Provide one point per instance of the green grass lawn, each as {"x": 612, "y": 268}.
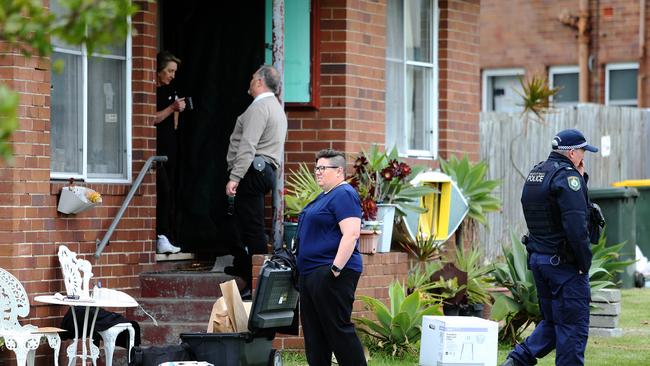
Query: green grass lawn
{"x": 633, "y": 348}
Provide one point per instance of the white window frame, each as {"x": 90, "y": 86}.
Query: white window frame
{"x": 560, "y": 70}
{"x": 434, "y": 66}
{"x": 620, "y": 66}
{"x": 128, "y": 109}
{"x": 487, "y": 74}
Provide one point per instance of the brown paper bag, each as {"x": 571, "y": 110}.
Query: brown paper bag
{"x": 219, "y": 318}
{"x": 235, "y": 306}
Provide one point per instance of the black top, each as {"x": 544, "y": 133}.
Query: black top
{"x": 556, "y": 207}
{"x": 165, "y": 133}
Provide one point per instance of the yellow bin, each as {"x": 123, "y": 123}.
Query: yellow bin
{"x": 632, "y": 183}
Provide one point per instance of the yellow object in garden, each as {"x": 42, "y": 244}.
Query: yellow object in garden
{"x": 446, "y": 208}
{"x": 632, "y": 183}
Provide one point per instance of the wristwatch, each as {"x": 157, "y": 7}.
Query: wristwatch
{"x": 335, "y": 269}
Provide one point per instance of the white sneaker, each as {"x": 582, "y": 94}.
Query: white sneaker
{"x": 164, "y": 246}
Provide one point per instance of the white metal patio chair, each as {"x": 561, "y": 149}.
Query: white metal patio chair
{"x": 23, "y": 340}
{"x": 78, "y": 284}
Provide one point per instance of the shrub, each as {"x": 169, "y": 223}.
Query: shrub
{"x": 396, "y": 330}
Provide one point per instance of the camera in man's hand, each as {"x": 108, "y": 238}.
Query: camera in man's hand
{"x": 189, "y": 104}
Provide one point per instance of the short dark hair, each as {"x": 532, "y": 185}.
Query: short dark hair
{"x": 165, "y": 57}
{"x": 336, "y": 157}
{"x": 271, "y": 77}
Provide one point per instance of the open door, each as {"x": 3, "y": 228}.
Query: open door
{"x": 220, "y": 45}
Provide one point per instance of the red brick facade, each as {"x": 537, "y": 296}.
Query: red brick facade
{"x": 31, "y": 229}
{"x": 460, "y": 95}
{"x": 352, "y": 57}
{"x": 530, "y": 36}
{"x": 351, "y": 116}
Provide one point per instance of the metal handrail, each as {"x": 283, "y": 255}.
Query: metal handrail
{"x": 147, "y": 165}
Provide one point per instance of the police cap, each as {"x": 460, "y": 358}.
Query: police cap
{"x": 571, "y": 139}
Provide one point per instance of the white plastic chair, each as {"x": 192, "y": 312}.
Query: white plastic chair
{"x": 78, "y": 284}
{"x": 22, "y": 339}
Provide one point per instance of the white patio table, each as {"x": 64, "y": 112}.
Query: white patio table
{"x": 86, "y": 335}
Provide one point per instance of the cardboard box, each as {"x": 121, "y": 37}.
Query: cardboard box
{"x": 458, "y": 341}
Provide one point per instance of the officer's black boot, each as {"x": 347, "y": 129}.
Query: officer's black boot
{"x": 511, "y": 362}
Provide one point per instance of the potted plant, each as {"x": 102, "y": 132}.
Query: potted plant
{"x": 301, "y": 189}
{"x": 369, "y": 238}
{"x": 383, "y": 183}
{"x": 477, "y": 281}
{"x": 419, "y": 275}
{"x": 452, "y": 295}
{"x": 448, "y": 285}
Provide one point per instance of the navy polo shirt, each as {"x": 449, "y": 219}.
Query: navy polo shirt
{"x": 319, "y": 231}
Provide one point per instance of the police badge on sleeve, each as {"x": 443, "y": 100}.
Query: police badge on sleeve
{"x": 574, "y": 183}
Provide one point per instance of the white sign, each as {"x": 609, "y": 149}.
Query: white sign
{"x": 110, "y": 117}
{"x": 605, "y": 145}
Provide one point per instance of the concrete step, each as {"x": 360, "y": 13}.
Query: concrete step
{"x": 607, "y": 295}
{"x": 168, "y": 333}
{"x": 174, "y": 257}
{"x": 602, "y": 321}
{"x": 183, "y": 284}
{"x": 605, "y": 332}
{"x": 173, "y": 310}
{"x": 603, "y": 308}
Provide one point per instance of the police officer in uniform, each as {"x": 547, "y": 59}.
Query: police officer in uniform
{"x": 558, "y": 214}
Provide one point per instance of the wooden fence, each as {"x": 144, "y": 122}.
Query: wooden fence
{"x": 512, "y": 144}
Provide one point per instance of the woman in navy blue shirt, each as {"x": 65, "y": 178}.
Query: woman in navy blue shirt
{"x": 330, "y": 265}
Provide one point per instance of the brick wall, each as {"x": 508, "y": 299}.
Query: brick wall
{"x": 351, "y": 114}
{"x": 30, "y": 227}
{"x": 379, "y": 270}
{"x": 532, "y": 37}
{"x": 352, "y": 84}
{"x": 459, "y": 84}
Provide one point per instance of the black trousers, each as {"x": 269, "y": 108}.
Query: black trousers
{"x": 249, "y": 217}
{"x": 325, "y": 311}
{"x": 166, "y": 181}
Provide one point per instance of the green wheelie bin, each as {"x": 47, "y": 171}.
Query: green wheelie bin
{"x": 619, "y": 209}
{"x": 642, "y": 212}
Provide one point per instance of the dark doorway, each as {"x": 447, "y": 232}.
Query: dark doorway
{"x": 220, "y": 44}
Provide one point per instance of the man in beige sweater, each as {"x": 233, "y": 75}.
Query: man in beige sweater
{"x": 255, "y": 151}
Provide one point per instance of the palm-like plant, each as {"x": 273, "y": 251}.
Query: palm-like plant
{"x": 536, "y": 95}
{"x": 425, "y": 248}
{"x": 605, "y": 264}
{"x": 396, "y": 329}
{"x": 521, "y": 308}
{"x": 301, "y": 189}
{"x": 477, "y": 282}
{"x": 471, "y": 181}
{"x": 470, "y": 178}
{"x": 420, "y": 275}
